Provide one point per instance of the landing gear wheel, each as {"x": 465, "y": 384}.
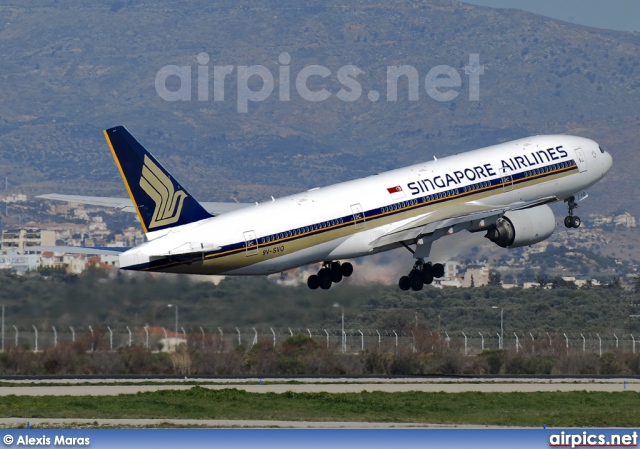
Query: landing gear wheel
{"x": 575, "y": 221}
{"x": 568, "y": 222}
{"x": 416, "y": 283}
{"x": 346, "y": 269}
{"x": 313, "y": 282}
{"x": 438, "y": 270}
{"x": 572, "y": 221}
{"x": 336, "y": 276}
{"x": 404, "y": 283}
{"x": 325, "y": 283}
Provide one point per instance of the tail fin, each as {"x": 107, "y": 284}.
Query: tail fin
{"x": 161, "y": 202}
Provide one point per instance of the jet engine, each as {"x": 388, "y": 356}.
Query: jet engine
{"x": 523, "y": 227}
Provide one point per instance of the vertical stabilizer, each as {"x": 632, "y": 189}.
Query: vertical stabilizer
{"x": 160, "y": 200}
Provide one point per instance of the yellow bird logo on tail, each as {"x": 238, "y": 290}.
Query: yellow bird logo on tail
{"x": 160, "y": 188}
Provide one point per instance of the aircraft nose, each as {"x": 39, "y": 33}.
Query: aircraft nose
{"x": 607, "y": 162}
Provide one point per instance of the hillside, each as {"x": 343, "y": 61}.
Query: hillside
{"x": 71, "y": 69}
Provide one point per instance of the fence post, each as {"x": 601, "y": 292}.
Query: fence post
{"x": 465, "y": 343}
{"x": 110, "y": 339}
{"x": 36, "y": 334}
{"x": 482, "y": 337}
{"x": 533, "y": 344}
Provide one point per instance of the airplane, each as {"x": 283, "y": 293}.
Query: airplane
{"x": 502, "y": 190}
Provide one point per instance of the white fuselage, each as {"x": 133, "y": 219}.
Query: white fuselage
{"x": 346, "y": 220}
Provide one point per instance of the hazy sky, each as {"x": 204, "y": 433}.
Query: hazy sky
{"x": 621, "y": 15}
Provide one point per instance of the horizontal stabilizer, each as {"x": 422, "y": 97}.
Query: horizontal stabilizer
{"x": 126, "y": 205}
{"x": 92, "y": 250}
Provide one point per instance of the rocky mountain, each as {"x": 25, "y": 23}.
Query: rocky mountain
{"x": 70, "y": 69}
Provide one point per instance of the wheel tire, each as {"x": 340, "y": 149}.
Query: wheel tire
{"x": 427, "y": 277}
{"x": 404, "y": 283}
{"x": 416, "y": 283}
{"x": 313, "y": 282}
{"x": 568, "y": 221}
{"x": 336, "y": 276}
{"x": 325, "y": 283}
{"x": 575, "y": 221}
{"x": 335, "y": 266}
{"x": 324, "y": 273}
{"x": 346, "y": 269}
{"x": 438, "y": 270}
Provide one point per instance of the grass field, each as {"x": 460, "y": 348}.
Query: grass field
{"x": 557, "y": 409}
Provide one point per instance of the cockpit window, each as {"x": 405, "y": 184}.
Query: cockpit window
{"x": 601, "y": 149}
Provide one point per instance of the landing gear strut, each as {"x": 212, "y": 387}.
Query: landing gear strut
{"x": 421, "y": 274}
{"x": 572, "y": 221}
{"x": 330, "y": 273}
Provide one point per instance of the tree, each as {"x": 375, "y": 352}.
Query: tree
{"x": 495, "y": 278}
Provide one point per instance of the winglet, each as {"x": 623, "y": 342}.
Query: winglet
{"x": 160, "y": 201}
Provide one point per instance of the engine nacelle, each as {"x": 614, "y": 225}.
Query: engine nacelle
{"x": 523, "y": 227}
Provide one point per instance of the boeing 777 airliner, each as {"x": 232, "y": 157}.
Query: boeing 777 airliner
{"x": 502, "y": 190}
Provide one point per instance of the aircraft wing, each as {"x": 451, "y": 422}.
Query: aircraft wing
{"x": 125, "y": 204}
{"x": 471, "y": 216}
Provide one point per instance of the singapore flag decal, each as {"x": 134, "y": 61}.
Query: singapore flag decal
{"x": 396, "y": 192}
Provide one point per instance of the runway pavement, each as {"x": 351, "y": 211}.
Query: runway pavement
{"x": 106, "y": 387}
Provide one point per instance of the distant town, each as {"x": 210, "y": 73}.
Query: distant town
{"x": 48, "y": 224}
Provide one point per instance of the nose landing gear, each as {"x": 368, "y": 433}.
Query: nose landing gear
{"x": 572, "y": 221}
{"x": 330, "y": 273}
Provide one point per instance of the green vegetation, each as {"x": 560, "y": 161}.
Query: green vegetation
{"x": 96, "y": 299}
{"x": 300, "y": 354}
{"x": 574, "y": 409}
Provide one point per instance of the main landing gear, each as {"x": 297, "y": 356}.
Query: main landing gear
{"x": 572, "y": 221}
{"x": 330, "y": 273}
{"x": 421, "y": 274}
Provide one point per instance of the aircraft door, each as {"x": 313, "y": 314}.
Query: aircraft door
{"x": 507, "y": 179}
{"x": 358, "y": 215}
{"x": 251, "y": 243}
{"x": 581, "y": 160}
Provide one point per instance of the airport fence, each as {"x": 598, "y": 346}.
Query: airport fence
{"x": 223, "y": 339}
